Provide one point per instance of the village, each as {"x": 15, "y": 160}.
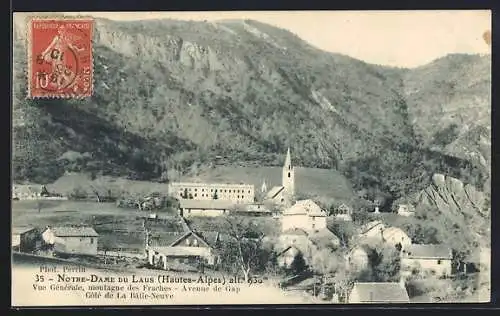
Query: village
{"x": 307, "y": 248}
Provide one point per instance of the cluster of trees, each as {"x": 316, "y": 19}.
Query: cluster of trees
{"x": 242, "y": 251}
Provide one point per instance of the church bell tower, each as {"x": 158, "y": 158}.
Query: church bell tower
{"x": 288, "y": 179}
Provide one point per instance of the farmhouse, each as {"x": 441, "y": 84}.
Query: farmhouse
{"x": 433, "y": 259}
{"x": 343, "y": 212}
{"x": 378, "y": 292}
{"x": 25, "y": 239}
{"x": 236, "y": 193}
{"x": 190, "y": 248}
{"x": 26, "y": 192}
{"x": 396, "y": 237}
{"x": 305, "y": 214}
{"x": 209, "y": 208}
{"x": 405, "y": 210}
{"x": 358, "y": 258}
{"x": 371, "y": 232}
{"x": 72, "y": 240}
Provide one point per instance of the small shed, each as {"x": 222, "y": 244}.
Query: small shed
{"x": 26, "y": 239}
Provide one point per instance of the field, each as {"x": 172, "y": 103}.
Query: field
{"x": 117, "y": 186}
{"x": 118, "y": 228}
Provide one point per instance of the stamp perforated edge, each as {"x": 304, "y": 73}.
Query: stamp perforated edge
{"x": 28, "y": 43}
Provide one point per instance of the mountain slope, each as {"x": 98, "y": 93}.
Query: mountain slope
{"x": 173, "y": 94}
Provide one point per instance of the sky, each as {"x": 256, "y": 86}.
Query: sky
{"x": 393, "y": 38}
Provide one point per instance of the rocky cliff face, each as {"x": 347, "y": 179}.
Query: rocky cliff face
{"x": 461, "y": 211}
{"x": 453, "y": 196}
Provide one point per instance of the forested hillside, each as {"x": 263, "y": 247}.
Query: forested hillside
{"x": 179, "y": 96}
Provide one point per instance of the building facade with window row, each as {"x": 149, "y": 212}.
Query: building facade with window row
{"x": 237, "y": 193}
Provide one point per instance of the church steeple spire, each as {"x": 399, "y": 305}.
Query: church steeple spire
{"x": 288, "y": 179}
{"x": 288, "y": 160}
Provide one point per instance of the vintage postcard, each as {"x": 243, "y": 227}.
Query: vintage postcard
{"x": 201, "y": 158}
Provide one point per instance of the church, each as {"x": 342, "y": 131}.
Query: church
{"x": 285, "y": 193}
{"x": 215, "y": 199}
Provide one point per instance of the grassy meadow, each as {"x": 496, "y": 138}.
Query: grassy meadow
{"x": 117, "y": 227}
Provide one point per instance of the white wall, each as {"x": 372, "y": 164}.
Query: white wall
{"x": 203, "y": 191}
{"x": 357, "y": 260}
{"x": 76, "y": 245}
{"x": 16, "y": 240}
{"x": 305, "y": 222}
{"x": 426, "y": 265}
{"x": 200, "y": 212}
{"x": 354, "y": 297}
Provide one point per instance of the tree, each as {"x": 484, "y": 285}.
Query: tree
{"x": 242, "y": 251}
{"x": 325, "y": 262}
{"x": 343, "y": 281}
{"x": 344, "y": 231}
{"x": 298, "y": 264}
{"x": 386, "y": 264}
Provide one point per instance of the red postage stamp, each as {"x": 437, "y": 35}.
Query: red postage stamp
{"x": 60, "y": 61}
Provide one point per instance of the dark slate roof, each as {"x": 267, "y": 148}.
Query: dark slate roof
{"x": 21, "y": 230}
{"x": 209, "y": 237}
{"x": 274, "y": 192}
{"x": 381, "y": 292}
{"x": 206, "y": 204}
{"x": 428, "y": 252}
{"x": 164, "y": 239}
{"x": 69, "y": 231}
{"x": 176, "y": 242}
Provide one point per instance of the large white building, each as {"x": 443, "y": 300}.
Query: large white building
{"x": 304, "y": 214}
{"x": 236, "y": 193}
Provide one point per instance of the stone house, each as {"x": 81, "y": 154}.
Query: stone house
{"x": 305, "y": 214}
{"x": 190, "y": 248}
{"x": 371, "y": 232}
{"x": 72, "y": 240}
{"x": 426, "y": 259}
{"x": 26, "y": 239}
{"x": 358, "y": 258}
